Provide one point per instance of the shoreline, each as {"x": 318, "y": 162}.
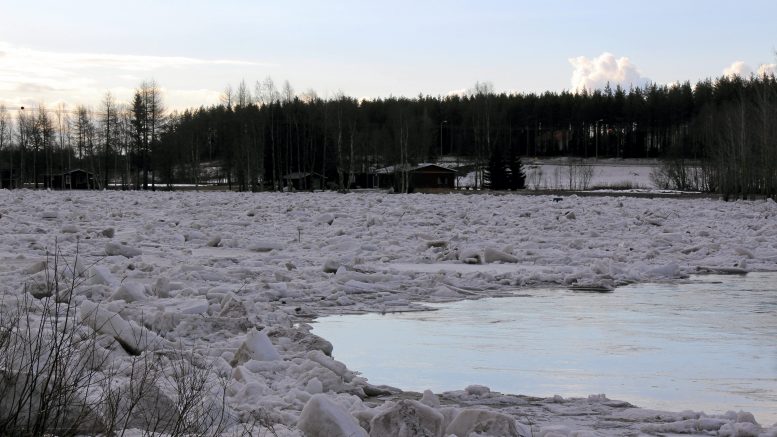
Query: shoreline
{"x": 695, "y": 278}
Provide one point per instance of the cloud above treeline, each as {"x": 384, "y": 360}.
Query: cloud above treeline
{"x": 28, "y": 74}
{"x": 596, "y": 73}
{"x": 741, "y": 69}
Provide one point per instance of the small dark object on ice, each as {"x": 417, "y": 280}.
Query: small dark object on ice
{"x": 592, "y": 288}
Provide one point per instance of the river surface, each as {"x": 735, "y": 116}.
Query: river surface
{"x": 707, "y": 345}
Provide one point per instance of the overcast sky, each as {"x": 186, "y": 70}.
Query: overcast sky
{"x": 74, "y": 51}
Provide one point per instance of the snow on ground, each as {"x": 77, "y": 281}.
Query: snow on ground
{"x": 233, "y": 278}
{"x": 566, "y": 173}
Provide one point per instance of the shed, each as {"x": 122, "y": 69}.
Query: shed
{"x": 421, "y": 176}
{"x": 76, "y": 179}
{"x": 304, "y": 180}
{"x": 432, "y": 176}
{"x": 8, "y": 178}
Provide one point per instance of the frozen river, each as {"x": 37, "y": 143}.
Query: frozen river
{"x": 708, "y": 344}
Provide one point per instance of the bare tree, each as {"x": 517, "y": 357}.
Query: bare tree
{"x": 63, "y": 138}
{"x": 340, "y": 100}
{"x": 6, "y": 131}
{"x": 243, "y": 95}
{"x": 266, "y": 92}
{"x": 482, "y": 93}
{"x": 84, "y": 133}
{"x": 24, "y": 124}
{"x": 124, "y": 126}
{"x": 109, "y": 124}
{"x": 155, "y": 118}
{"x": 288, "y": 92}
{"x": 269, "y": 96}
{"x": 226, "y": 97}
{"x": 42, "y": 139}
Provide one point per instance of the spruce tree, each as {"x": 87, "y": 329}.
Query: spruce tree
{"x": 517, "y": 176}
{"x": 495, "y": 176}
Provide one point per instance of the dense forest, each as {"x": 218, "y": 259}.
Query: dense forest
{"x": 717, "y": 135}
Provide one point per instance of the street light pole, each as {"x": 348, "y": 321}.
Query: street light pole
{"x": 22, "y": 145}
{"x": 442, "y": 123}
{"x": 597, "y": 137}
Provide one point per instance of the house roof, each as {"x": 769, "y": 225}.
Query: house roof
{"x": 418, "y": 168}
{"x": 74, "y": 170}
{"x": 432, "y": 168}
{"x": 300, "y": 175}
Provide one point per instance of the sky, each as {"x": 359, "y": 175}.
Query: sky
{"x": 76, "y": 51}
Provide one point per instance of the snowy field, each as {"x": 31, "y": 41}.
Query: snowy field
{"x": 559, "y": 173}
{"x": 228, "y": 281}
{"x": 565, "y": 174}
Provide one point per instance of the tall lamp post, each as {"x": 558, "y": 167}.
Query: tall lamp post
{"x": 597, "y": 137}
{"x": 441, "y": 123}
{"x": 22, "y": 145}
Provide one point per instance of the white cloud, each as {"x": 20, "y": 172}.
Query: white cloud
{"x": 741, "y": 69}
{"x": 27, "y": 87}
{"x": 60, "y": 62}
{"x": 738, "y": 68}
{"x": 596, "y": 73}
{"x": 457, "y": 93}
{"x": 78, "y": 77}
{"x": 767, "y": 70}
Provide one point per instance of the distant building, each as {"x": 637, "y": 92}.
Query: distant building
{"x": 420, "y": 177}
{"x": 76, "y": 179}
{"x": 432, "y": 176}
{"x": 304, "y": 180}
{"x": 8, "y": 178}
{"x": 365, "y": 180}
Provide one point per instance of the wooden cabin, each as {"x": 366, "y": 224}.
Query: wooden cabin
{"x": 419, "y": 177}
{"x": 76, "y": 179}
{"x": 304, "y": 180}
{"x": 8, "y": 178}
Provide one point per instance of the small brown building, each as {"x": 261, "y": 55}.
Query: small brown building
{"x": 432, "y": 176}
{"x": 76, "y": 179}
{"x": 304, "y": 180}
{"x": 420, "y": 177}
{"x": 8, "y": 178}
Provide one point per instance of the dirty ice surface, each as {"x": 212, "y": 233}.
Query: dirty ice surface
{"x": 234, "y": 279}
{"x": 708, "y": 342}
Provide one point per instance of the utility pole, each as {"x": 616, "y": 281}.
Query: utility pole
{"x": 442, "y": 123}
{"x": 597, "y": 138}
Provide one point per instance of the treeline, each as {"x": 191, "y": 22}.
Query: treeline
{"x": 118, "y": 143}
{"x": 715, "y": 135}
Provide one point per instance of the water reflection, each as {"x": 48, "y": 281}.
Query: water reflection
{"x": 705, "y": 345}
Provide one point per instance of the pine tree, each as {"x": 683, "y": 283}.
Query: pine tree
{"x": 496, "y": 177}
{"x": 517, "y": 177}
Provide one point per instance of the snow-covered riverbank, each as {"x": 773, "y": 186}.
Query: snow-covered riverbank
{"x": 222, "y": 273}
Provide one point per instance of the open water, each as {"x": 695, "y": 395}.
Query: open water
{"x": 709, "y": 344}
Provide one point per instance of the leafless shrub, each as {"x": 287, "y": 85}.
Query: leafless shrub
{"x": 580, "y": 175}
{"x": 534, "y": 177}
{"x": 619, "y": 186}
{"x": 259, "y": 423}
{"x": 57, "y": 376}
{"x": 46, "y": 385}
{"x": 681, "y": 175}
